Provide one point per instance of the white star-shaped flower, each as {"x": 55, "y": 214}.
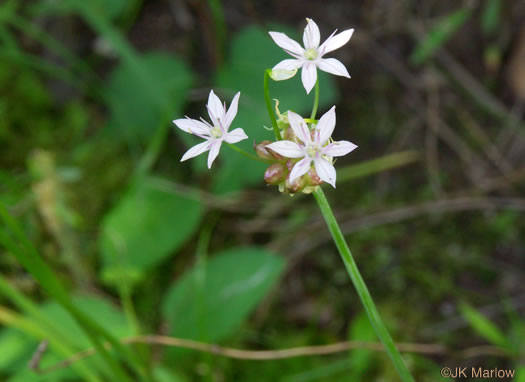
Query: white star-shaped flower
{"x": 313, "y": 146}
{"x": 310, "y": 57}
{"x": 214, "y": 133}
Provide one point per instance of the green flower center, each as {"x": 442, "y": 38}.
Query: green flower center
{"x": 311, "y": 54}
{"x": 216, "y": 132}
{"x": 313, "y": 151}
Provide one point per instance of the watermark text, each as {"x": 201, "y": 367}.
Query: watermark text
{"x": 477, "y": 372}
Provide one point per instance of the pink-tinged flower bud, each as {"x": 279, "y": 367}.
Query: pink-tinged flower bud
{"x": 314, "y": 179}
{"x": 262, "y": 151}
{"x": 265, "y": 153}
{"x": 275, "y": 174}
{"x": 290, "y": 163}
{"x": 296, "y": 186}
{"x": 289, "y": 135}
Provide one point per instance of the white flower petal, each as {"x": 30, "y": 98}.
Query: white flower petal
{"x": 339, "y": 148}
{"x": 282, "y": 74}
{"x": 196, "y": 150}
{"x": 300, "y": 169}
{"x": 235, "y": 136}
{"x": 311, "y": 35}
{"x": 326, "y": 126}
{"x": 192, "y": 126}
{"x": 290, "y": 46}
{"x": 285, "y": 69}
{"x": 309, "y": 76}
{"x": 335, "y": 41}
{"x": 288, "y": 64}
{"x": 287, "y": 149}
{"x": 333, "y": 66}
{"x": 299, "y": 127}
{"x": 325, "y": 170}
{"x": 214, "y": 151}
{"x": 215, "y": 108}
{"x": 232, "y": 111}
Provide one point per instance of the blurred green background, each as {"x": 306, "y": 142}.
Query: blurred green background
{"x": 431, "y": 202}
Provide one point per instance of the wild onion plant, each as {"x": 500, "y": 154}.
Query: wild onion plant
{"x": 300, "y": 159}
{"x": 303, "y": 154}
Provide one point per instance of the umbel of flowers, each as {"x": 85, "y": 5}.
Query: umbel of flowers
{"x": 302, "y": 157}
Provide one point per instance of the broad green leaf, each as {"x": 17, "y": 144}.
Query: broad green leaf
{"x": 209, "y": 302}
{"x": 138, "y": 108}
{"x": 439, "y": 35}
{"x": 484, "y": 327}
{"x": 147, "y": 225}
{"x": 252, "y": 52}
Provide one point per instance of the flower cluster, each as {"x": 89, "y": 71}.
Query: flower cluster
{"x": 311, "y": 146}
{"x": 304, "y": 158}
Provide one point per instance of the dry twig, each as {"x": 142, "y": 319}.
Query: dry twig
{"x": 268, "y": 355}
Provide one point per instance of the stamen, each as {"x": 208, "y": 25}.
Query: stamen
{"x": 311, "y": 54}
{"x": 216, "y": 132}
{"x": 313, "y": 151}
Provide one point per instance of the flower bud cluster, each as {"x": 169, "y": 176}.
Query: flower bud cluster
{"x": 278, "y": 173}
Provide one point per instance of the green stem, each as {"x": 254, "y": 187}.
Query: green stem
{"x": 316, "y": 100}
{"x": 360, "y": 286}
{"x": 269, "y": 105}
{"x": 247, "y": 154}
